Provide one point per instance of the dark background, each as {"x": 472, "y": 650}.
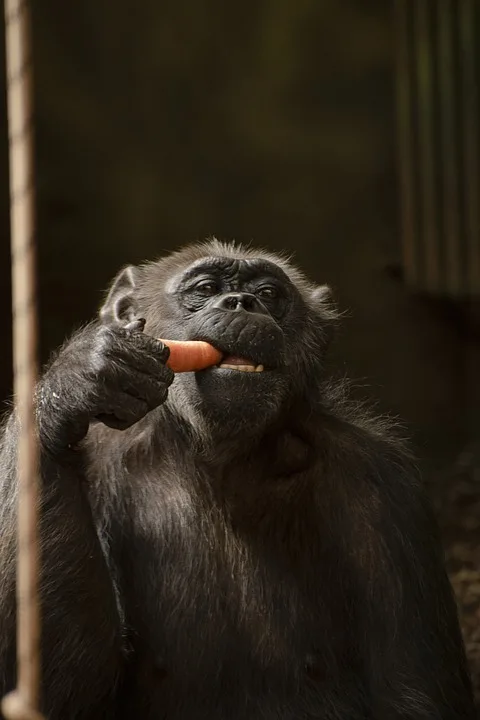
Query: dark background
{"x": 267, "y": 121}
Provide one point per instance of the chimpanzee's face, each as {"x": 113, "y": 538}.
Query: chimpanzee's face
{"x": 253, "y": 312}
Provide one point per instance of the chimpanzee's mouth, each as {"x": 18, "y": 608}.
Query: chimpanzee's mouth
{"x": 248, "y": 343}
{"x": 235, "y": 362}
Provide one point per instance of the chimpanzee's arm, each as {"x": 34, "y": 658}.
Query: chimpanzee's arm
{"x": 117, "y": 376}
{"x": 81, "y": 631}
{"x": 414, "y": 658}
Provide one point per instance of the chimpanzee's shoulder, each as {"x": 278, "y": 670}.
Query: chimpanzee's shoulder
{"x": 355, "y": 431}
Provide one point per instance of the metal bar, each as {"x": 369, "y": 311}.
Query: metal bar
{"x": 470, "y": 141}
{"x": 423, "y": 43}
{"x": 22, "y": 703}
{"x": 449, "y": 148}
{"x": 405, "y": 141}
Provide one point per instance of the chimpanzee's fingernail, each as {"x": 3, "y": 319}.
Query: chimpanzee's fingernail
{"x": 137, "y": 325}
{"x": 164, "y": 351}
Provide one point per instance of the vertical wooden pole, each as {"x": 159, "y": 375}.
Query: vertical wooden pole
{"x": 23, "y": 702}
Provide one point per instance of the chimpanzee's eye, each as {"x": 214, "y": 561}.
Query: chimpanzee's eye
{"x": 207, "y": 287}
{"x": 267, "y": 292}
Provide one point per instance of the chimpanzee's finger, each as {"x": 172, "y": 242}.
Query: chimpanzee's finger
{"x": 123, "y": 411}
{"x": 151, "y": 389}
{"x": 141, "y": 352}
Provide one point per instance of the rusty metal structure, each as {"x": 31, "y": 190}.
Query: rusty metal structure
{"x": 438, "y": 125}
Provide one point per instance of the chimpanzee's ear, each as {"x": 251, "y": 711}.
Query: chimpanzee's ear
{"x": 322, "y": 296}
{"x": 322, "y": 300}
{"x": 120, "y": 304}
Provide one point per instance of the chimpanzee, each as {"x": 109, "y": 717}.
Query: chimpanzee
{"x": 238, "y": 543}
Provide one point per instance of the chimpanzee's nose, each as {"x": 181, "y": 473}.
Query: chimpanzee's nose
{"x": 238, "y": 301}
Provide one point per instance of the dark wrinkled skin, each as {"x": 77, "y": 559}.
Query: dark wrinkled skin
{"x": 227, "y": 546}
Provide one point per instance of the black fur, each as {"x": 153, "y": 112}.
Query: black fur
{"x": 254, "y": 547}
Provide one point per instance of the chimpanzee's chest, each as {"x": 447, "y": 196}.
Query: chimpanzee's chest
{"x": 212, "y": 595}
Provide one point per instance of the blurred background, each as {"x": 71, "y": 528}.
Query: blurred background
{"x": 344, "y": 132}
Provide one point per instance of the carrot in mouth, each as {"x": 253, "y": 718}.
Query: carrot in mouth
{"x": 191, "y": 355}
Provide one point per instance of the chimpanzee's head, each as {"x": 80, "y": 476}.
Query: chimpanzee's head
{"x": 270, "y": 323}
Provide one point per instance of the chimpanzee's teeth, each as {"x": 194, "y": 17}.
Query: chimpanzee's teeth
{"x": 242, "y": 368}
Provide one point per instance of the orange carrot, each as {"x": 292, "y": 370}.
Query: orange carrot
{"x": 191, "y": 355}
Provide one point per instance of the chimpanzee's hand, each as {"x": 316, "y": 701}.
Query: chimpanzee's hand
{"x": 106, "y": 373}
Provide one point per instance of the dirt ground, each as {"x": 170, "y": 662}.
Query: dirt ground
{"x": 457, "y": 501}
